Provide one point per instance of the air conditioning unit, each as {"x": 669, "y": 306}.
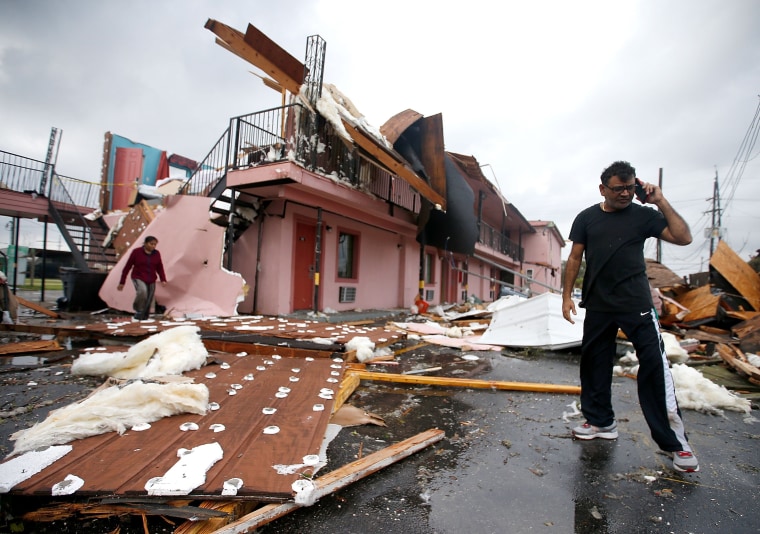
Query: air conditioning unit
{"x": 346, "y": 294}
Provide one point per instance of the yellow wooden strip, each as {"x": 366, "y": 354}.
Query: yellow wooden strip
{"x": 468, "y": 383}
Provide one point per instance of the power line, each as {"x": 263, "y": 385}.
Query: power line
{"x": 743, "y": 155}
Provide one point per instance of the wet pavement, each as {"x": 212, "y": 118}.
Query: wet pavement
{"x": 507, "y": 464}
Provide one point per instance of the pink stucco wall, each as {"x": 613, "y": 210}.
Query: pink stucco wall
{"x": 543, "y": 249}
{"x": 387, "y": 263}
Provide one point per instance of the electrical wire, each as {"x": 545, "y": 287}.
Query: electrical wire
{"x": 743, "y": 155}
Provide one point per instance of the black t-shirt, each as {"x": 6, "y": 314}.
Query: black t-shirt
{"x": 616, "y": 276}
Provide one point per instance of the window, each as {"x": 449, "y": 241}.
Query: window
{"x": 347, "y": 248}
{"x": 529, "y": 274}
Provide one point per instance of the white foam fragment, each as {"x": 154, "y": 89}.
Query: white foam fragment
{"x": 231, "y": 486}
{"x": 696, "y": 392}
{"x": 305, "y": 492}
{"x": 68, "y": 486}
{"x": 20, "y": 468}
{"x": 188, "y": 473}
{"x": 363, "y": 346}
{"x": 113, "y": 409}
{"x": 170, "y": 352}
{"x": 673, "y": 349}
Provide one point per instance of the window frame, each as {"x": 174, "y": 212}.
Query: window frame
{"x": 356, "y": 240}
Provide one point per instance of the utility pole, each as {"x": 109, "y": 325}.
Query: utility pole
{"x": 715, "y": 230}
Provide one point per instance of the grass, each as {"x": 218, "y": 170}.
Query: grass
{"x": 36, "y": 284}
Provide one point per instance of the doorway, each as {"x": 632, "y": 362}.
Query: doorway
{"x": 304, "y": 266}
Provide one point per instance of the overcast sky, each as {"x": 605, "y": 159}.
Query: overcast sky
{"x": 546, "y": 93}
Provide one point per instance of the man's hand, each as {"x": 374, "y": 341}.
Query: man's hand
{"x": 568, "y": 306}
{"x": 654, "y": 193}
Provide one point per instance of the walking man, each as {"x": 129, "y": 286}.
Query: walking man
{"x": 616, "y": 295}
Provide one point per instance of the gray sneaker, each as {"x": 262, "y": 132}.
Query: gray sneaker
{"x": 685, "y": 461}
{"x": 588, "y": 431}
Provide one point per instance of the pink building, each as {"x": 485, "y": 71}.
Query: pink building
{"x": 323, "y": 212}
{"x": 315, "y": 209}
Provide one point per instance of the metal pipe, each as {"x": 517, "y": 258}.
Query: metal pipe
{"x": 317, "y": 258}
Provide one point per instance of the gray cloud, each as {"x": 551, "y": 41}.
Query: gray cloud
{"x": 545, "y": 93}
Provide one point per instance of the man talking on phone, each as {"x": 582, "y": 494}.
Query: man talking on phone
{"x": 616, "y": 295}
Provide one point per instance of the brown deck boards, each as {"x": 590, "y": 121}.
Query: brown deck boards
{"x": 121, "y": 465}
{"x": 315, "y": 335}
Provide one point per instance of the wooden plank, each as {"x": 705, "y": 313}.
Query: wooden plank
{"x": 338, "y": 479}
{"x": 24, "y": 347}
{"x": 236, "y": 42}
{"x": 736, "y": 359}
{"x": 466, "y": 382}
{"x": 738, "y": 273}
{"x": 347, "y": 387}
{"x": 700, "y": 302}
{"x": 36, "y": 307}
{"x": 263, "y": 350}
{"x": 58, "y": 512}
{"x": 746, "y": 327}
{"x": 274, "y": 53}
{"x": 392, "y": 163}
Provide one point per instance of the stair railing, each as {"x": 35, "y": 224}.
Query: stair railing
{"x": 60, "y": 195}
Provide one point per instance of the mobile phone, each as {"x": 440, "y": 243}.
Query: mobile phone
{"x": 641, "y": 193}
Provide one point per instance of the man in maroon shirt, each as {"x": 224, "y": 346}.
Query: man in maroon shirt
{"x": 146, "y": 265}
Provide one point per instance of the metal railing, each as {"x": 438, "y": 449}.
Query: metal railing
{"x": 495, "y": 240}
{"x": 294, "y": 133}
{"x": 74, "y": 192}
{"x": 26, "y": 175}
{"x": 21, "y": 174}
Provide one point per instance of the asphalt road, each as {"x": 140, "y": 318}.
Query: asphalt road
{"x": 508, "y": 463}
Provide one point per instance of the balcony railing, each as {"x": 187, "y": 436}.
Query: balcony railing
{"x": 495, "y": 240}
{"x": 21, "y": 174}
{"x": 26, "y": 175}
{"x": 74, "y": 192}
{"x": 294, "y": 133}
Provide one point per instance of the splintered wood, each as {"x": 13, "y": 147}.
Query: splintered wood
{"x": 738, "y": 273}
{"x": 25, "y": 347}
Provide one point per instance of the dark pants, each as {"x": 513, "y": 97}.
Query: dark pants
{"x": 656, "y": 391}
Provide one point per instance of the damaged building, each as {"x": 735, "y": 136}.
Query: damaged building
{"x": 309, "y": 207}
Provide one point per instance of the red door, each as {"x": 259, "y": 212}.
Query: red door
{"x": 304, "y": 268}
{"x": 127, "y": 169}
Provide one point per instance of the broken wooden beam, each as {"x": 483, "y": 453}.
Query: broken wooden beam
{"x": 337, "y": 479}
{"x": 347, "y": 387}
{"x": 390, "y": 160}
{"x": 736, "y": 359}
{"x": 738, "y": 273}
{"x": 36, "y": 307}
{"x": 24, "y": 347}
{"x": 701, "y": 303}
{"x": 257, "y": 49}
{"x": 466, "y": 382}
